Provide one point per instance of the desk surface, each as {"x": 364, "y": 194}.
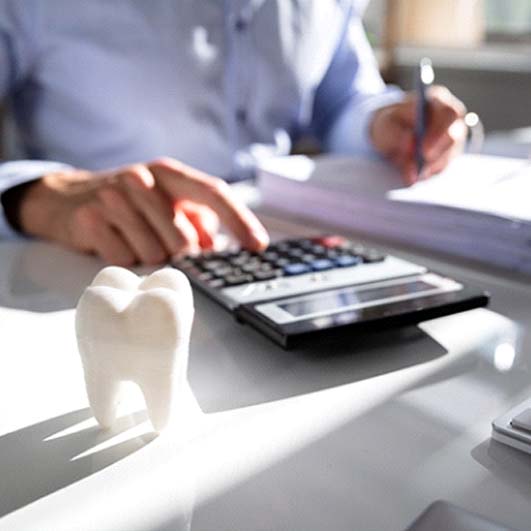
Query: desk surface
{"x": 354, "y": 436}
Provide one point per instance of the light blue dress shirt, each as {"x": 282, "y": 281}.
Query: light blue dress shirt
{"x": 217, "y": 84}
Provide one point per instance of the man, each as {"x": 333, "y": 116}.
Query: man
{"x": 191, "y": 89}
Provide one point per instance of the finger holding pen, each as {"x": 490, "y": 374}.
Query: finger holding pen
{"x": 395, "y": 129}
{"x": 440, "y": 130}
{"x": 446, "y": 131}
{"x": 425, "y": 78}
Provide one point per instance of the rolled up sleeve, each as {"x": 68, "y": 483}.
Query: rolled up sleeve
{"x": 350, "y": 92}
{"x": 18, "y": 172}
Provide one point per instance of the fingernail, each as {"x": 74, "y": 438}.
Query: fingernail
{"x": 206, "y": 241}
{"x": 194, "y": 248}
{"x": 187, "y": 250}
{"x": 424, "y": 174}
{"x": 410, "y": 176}
{"x": 261, "y": 238}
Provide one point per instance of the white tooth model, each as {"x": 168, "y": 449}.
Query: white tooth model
{"x": 133, "y": 329}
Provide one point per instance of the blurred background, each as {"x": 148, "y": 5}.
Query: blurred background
{"x": 481, "y": 50}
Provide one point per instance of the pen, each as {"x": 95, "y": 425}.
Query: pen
{"x": 424, "y": 80}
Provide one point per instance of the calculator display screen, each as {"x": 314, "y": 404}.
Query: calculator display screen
{"x": 350, "y": 297}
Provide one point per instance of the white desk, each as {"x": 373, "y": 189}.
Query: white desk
{"x": 361, "y": 438}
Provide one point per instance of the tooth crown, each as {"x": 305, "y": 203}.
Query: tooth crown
{"x": 138, "y": 330}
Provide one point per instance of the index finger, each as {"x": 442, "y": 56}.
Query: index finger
{"x": 180, "y": 181}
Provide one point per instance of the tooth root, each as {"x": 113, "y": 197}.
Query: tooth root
{"x": 158, "y": 397}
{"x": 103, "y": 395}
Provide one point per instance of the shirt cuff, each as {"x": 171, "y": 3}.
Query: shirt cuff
{"x": 350, "y": 133}
{"x": 17, "y": 172}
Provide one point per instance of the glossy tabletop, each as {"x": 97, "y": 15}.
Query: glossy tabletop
{"x": 354, "y": 435}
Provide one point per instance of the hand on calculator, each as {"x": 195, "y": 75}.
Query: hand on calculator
{"x": 285, "y": 258}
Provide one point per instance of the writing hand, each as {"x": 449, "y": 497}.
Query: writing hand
{"x": 392, "y": 133}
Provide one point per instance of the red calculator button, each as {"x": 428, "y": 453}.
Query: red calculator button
{"x": 330, "y": 241}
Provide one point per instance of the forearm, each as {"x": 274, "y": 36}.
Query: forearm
{"x": 350, "y": 132}
{"x": 12, "y": 199}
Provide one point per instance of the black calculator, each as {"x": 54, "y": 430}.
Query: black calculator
{"x": 299, "y": 288}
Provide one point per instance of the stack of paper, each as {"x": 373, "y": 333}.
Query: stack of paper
{"x": 479, "y": 207}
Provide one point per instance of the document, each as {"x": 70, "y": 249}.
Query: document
{"x": 477, "y": 208}
{"x": 491, "y": 185}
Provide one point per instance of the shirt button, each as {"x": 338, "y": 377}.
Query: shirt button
{"x": 240, "y": 24}
{"x": 241, "y": 115}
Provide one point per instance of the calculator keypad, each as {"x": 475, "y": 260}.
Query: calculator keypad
{"x": 286, "y": 258}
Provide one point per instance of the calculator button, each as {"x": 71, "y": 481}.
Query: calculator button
{"x": 194, "y": 271}
{"x": 318, "y": 250}
{"x": 265, "y": 266}
{"x": 296, "y": 253}
{"x": 206, "y": 255}
{"x": 372, "y": 255}
{"x": 305, "y": 244}
{"x": 308, "y": 258}
{"x": 225, "y": 254}
{"x": 223, "y": 271}
{"x": 330, "y": 241}
{"x": 356, "y": 248}
{"x": 282, "y": 262}
{"x": 189, "y": 269}
{"x": 216, "y": 283}
{"x": 331, "y": 253}
{"x": 185, "y": 263}
{"x": 322, "y": 264}
{"x": 267, "y": 275}
{"x": 296, "y": 269}
{"x": 251, "y": 267}
{"x": 211, "y": 265}
{"x": 282, "y": 247}
{"x": 347, "y": 260}
{"x": 205, "y": 276}
{"x": 235, "y": 280}
{"x": 239, "y": 261}
{"x": 291, "y": 242}
{"x": 270, "y": 256}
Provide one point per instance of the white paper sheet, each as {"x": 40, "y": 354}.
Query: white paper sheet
{"x": 491, "y": 185}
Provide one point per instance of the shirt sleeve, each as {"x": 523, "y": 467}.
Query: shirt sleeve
{"x": 350, "y": 92}
{"x": 16, "y": 58}
{"x": 18, "y": 172}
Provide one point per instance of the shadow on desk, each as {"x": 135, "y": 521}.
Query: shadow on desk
{"x": 232, "y": 365}
{"x": 40, "y": 459}
{"x": 512, "y": 466}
